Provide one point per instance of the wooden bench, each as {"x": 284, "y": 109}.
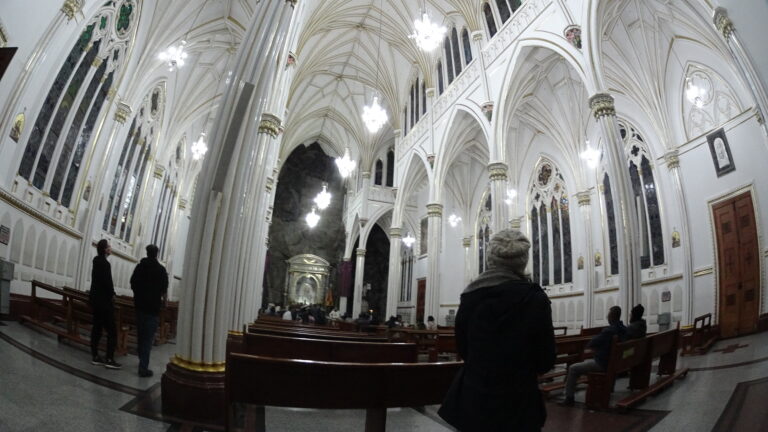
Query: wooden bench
{"x": 623, "y": 357}
{"x": 568, "y": 351}
{"x": 326, "y": 350}
{"x": 700, "y": 338}
{"x": 562, "y": 330}
{"x": 317, "y": 334}
{"x": 374, "y": 387}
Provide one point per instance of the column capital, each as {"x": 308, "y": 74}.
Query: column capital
{"x": 360, "y": 252}
{"x": 478, "y": 35}
{"x": 430, "y": 92}
{"x": 122, "y": 112}
{"x": 182, "y": 204}
{"x": 70, "y": 8}
{"x": 397, "y": 133}
{"x": 516, "y": 223}
{"x": 602, "y": 105}
{"x": 395, "y": 232}
{"x": 269, "y": 184}
{"x": 466, "y": 242}
{"x": 723, "y": 22}
{"x": 672, "y": 158}
{"x": 366, "y": 174}
{"x": 583, "y": 198}
{"x": 97, "y": 62}
{"x": 159, "y": 171}
{"x": 497, "y": 171}
{"x": 270, "y": 124}
{"x": 434, "y": 209}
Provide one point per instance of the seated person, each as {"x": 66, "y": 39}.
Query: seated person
{"x": 601, "y": 345}
{"x": 288, "y": 316}
{"x": 431, "y": 323}
{"x": 637, "y": 327}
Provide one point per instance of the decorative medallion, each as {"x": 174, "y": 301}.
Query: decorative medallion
{"x": 18, "y": 127}
{"x": 573, "y": 35}
{"x": 545, "y": 173}
{"x": 125, "y": 18}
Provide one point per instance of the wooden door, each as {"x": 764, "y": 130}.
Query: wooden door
{"x": 738, "y": 265}
{"x": 421, "y": 295}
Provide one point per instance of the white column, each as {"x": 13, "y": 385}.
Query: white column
{"x": 585, "y": 208}
{"x": 357, "y": 296}
{"x": 627, "y": 225}
{"x": 226, "y": 192}
{"x": 395, "y": 271}
{"x": 672, "y": 158}
{"x": 364, "y": 200}
{"x": 434, "y": 241}
{"x": 497, "y": 172}
{"x": 466, "y": 243}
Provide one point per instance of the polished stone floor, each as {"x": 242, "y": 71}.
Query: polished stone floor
{"x": 49, "y": 386}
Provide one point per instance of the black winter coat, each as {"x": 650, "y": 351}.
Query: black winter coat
{"x": 102, "y": 288}
{"x": 149, "y": 283}
{"x": 504, "y": 334}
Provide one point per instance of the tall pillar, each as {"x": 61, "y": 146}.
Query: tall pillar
{"x": 672, "y": 158}
{"x": 395, "y": 271}
{"x": 434, "y": 240}
{"x": 364, "y": 200}
{"x": 357, "y": 296}
{"x": 221, "y": 217}
{"x": 584, "y": 200}
{"x": 466, "y": 243}
{"x": 497, "y": 172}
{"x": 627, "y": 224}
{"x": 743, "y": 64}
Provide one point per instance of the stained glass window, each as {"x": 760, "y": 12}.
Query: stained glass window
{"x": 489, "y": 20}
{"x": 439, "y": 78}
{"x": 379, "y": 173}
{"x": 611, "y": 219}
{"x": 565, "y": 218}
{"x": 504, "y": 11}
{"x": 557, "y": 247}
{"x": 544, "y": 227}
{"x": 456, "y": 48}
{"x": 550, "y": 217}
{"x": 390, "y": 168}
{"x": 448, "y": 59}
{"x": 467, "y": 45}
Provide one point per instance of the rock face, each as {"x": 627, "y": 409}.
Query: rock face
{"x": 301, "y": 179}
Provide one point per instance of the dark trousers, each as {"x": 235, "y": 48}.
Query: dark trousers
{"x": 103, "y": 318}
{"x": 146, "y": 325}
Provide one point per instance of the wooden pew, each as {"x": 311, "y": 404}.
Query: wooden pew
{"x": 623, "y": 357}
{"x": 569, "y": 351}
{"x": 592, "y": 331}
{"x": 560, "y": 331}
{"x": 278, "y": 331}
{"x": 327, "y": 350}
{"x": 374, "y": 387}
{"x": 700, "y": 338}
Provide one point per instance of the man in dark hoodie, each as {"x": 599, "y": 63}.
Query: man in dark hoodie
{"x": 601, "y": 345}
{"x": 637, "y": 327}
{"x": 102, "y": 302}
{"x": 149, "y": 283}
{"x": 504, "y": 334}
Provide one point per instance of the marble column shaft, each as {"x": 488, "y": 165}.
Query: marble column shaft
{"x": 672, "y": 158}
{"x": 395, "y": 271}
{"x": 627, "y": 223}
{"x": 226, "y": 192}
{"x": 497, "y": 172}
{"x": 585, "y": 208}
{"x": 357, "y": 296}
{"x": 434, "y": 242}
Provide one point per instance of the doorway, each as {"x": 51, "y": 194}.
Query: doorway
{"x": 738, "y": 265}
{"x": 421, "y": 295}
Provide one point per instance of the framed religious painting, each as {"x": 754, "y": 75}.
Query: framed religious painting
{"x": 721, "y": 152}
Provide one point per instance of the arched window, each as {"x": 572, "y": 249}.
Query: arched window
{"x": 610, "y": 214}
{"x": 132, "y": 166}
{"x": 74, "y": 101}
{"x": 405, "y": 121}
{"x": 390, "y": 168}
{"x": 490, "y": 21}
{"x": 163, "y": 214}
{"x": 467, "y": 46}
{"x": 644, "y": 190}
{"x": 456, "y": 48}
{"x": 440, "y": 78}
{"x": 406, "y": 273}
{"x": 448, "y": 59}
{"x": 423, "y": 97}
{"x": 379, "y": 174}
{"x": 550, "y": 219}
{"x": 484, "y": 234}
{"x": 412, "y": 117}
{"x": 504, "y": 12}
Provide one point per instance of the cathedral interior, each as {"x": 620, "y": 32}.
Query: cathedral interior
{"x": 358, "y": 156}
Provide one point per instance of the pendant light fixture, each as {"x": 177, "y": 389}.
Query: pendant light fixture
{"x": 323, "y": 199}
{"x": 428, "y": 35}
{"x": 174, "y": 56}
{"x": 374, "y": 115}
{"x": 312, "y": 218}
{"x": 408, "y": 240}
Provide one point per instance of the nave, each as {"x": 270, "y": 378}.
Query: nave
{"x": 51, "y": 386}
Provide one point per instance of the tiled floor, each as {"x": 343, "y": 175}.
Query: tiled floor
{"x": 48, "y": 386}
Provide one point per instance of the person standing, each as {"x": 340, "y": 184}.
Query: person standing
{"x": 149, "y": 283}
{"x": 504, "y": 334}
{"x": 102, "y": 303}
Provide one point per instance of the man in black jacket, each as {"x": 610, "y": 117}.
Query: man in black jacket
{"x": 101, "y": 297}
{"x": 149, "y": 283}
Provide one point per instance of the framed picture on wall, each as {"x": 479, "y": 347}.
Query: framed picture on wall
{"x": 721, "y": 152}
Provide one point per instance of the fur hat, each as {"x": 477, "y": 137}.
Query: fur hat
{"x": 509, "y": 250}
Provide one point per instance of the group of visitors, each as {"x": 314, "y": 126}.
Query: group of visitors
{"x": 149, "y": 283}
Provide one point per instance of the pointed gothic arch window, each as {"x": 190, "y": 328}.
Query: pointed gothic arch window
{"x": 456, "y": 48}
{"x": 406, "y": 273}
{"x": 467, "y": 45}
{"x": 504, "y": 12}
{"x": 379, "y": 173}
{"x": 448, "y": 59}
{"x": 550, "y": 226}
{"x": 490, "y": 21}
{"x": 64, "y": 125}
{"x": 390, "y": 168}
{"x": 484, "y": 233}
{"x": 440, "y": 85}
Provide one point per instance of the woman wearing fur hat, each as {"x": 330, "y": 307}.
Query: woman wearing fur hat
{"x": 504, "y": 334}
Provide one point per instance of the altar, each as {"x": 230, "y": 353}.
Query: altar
{"x": 307, "y": 280}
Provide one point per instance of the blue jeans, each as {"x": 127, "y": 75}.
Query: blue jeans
{"x": 146, "y": 325}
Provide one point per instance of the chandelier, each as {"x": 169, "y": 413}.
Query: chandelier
{"x": 174, "y": 56}
{"x": 511, "y": 194}
{"x": 591, "y": 156}
{"x": 199, "y": 148}
{"x": 312, "y": 218}
{"x": 374, "y": 116}
{"x": 427, "y": 34}
{"x": 454, "y": 220}
{"x": 345, "y": 164}
{"x": 323, "y": 199}
{"x": 409, "y": 240}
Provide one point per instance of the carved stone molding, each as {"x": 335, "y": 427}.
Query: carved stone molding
{"x": 182, "y": 204}
{"x": 366, "y": 174}
{"x": 270, "y": 124}
{"x": 111, "y": 93}
{"x": 497, "y": 171}
{"x": 97, "y": 62}
{"x": 292, "y": 3}
{"x": 159, "y": 171}
{"x": 478, "y": 35}
{"x": 723, "y": 23}
{"x": 602, "y": 105}
{"x": 70, "y": 8}
{"x": 360, "y": 252}
{"x": 672, "y": 158}
{"x": 270, "y": 184}
{"x": 395, "y": 232}
{"x": 430, "y": 92}
{"x": 122, "y": 112}
{"x": 583, "y": 198}
{"x": 466, "y": 242}
{"x": 434, "y": 209}
{"x": 516, "y": 223}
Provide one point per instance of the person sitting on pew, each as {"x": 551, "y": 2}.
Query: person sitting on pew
{"x": 431, "y": 323}
{"x": 504, "y": 334}
{"x": 334, "y": 315}
{"x": 288, "y": 316}
{"x": 601, "y": 345}
{"x": 391, "y": 322}
{"x": 637, "y": 327}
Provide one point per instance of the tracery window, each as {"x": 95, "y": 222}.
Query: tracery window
{"x": 484, "y": 234}
{"x": 390, "y": 168}
{"x": 550, "y": 219}
{"x": 610, "y": 214}
{"x": 416, "y": 104}
{"x": 132, "y": 167}
{"x": 164, "y": 211}
{"x": 467, "y": 46}
{"x": 490, "y": 21}
{"x": 440, "y": 85}
{"x": 70, "y": 113}
{"x": 379, "y": 173}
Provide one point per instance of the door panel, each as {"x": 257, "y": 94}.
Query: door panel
{"x": 728, "y": 258}
{"x": 749, "y": 264}
{"x": 421, "y": 295}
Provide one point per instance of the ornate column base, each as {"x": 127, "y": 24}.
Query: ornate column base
{"x": 195, "y": 396}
